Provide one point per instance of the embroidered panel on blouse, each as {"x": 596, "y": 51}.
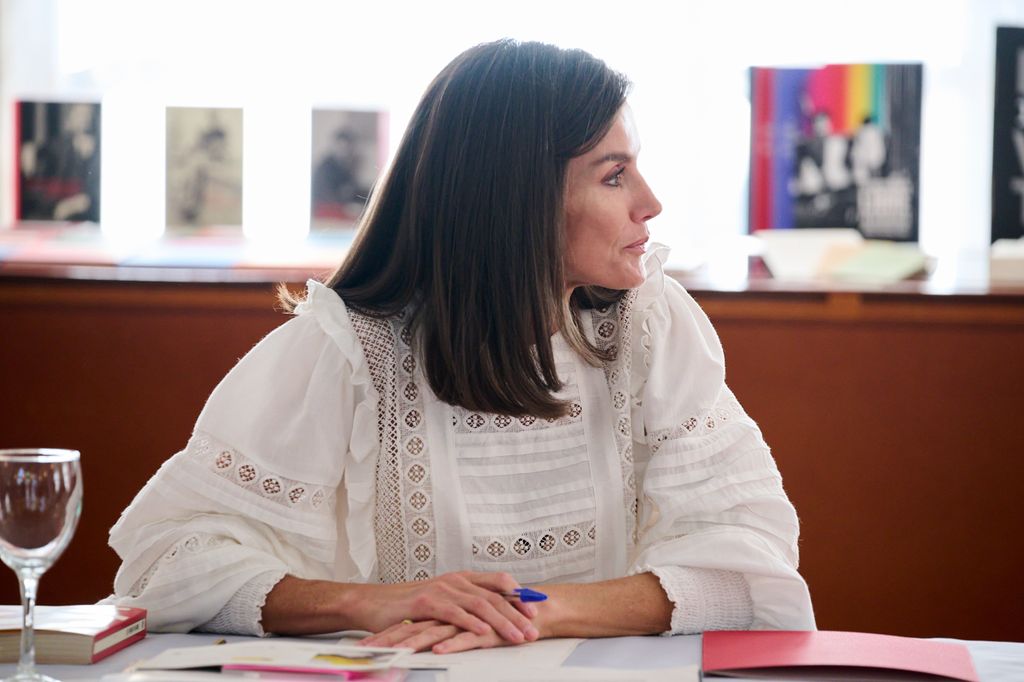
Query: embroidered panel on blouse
{"x": 403, "y": 514}
{"x": 612, "y": 332}
{"x": 526, "y": 482}
{"x": 699, "y": 423}
{"x": 528, "y": 487}
{"x": 234, "y": 467}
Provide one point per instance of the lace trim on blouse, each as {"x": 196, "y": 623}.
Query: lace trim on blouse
{"x": 612, "y": 332}
{"x": 404, "y": 513}
{"x": 236, "y": 468}
{"x": 695, "y": 425}
{"x": 194, "y": 543}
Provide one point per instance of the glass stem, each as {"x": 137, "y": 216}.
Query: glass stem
{"x": 29, "y": 582}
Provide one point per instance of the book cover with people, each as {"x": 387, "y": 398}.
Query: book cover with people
{"x": 836, "y": 146}
{"x": 58, "y": 161}
{"x": 1008, "y": 136}
{"x": 348, "y": 151}
{"x": 204, "y": 167}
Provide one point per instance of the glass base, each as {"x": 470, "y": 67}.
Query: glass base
{"x": 34, "y": 676}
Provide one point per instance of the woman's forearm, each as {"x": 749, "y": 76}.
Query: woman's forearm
{"x": 302, "y": 607}
{"x": 635, "y": 605}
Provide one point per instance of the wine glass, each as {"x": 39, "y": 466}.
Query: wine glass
{"x": 40, "y": 500}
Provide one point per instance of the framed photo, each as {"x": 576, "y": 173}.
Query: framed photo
{"x": 348, "y": 151}
{"x": 1008, "y": 136}
{"x": 58, "y": 161}
{"x": 204, "y": 167}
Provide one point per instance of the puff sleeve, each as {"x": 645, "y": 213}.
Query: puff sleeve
{"x": 258, "y": 491}
{"x": 714, "y": 523}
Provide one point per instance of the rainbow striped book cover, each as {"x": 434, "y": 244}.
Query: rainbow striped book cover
{"x": 836, "y": 146}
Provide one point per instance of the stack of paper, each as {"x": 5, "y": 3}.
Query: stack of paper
{"x": 1006, "y": 261}
{"x": 801, "y": 255}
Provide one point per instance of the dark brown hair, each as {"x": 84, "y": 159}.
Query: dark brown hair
{"x": 466, "y": 229}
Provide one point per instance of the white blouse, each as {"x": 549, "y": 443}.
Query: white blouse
{"x": 324, "y": 454}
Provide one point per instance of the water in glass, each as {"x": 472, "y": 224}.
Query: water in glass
{"x": 40, "y": 501}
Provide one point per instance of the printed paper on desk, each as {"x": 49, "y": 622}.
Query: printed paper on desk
{"x": 833, "y": 655}
{"x": 572, "y": 674}
{"x": 311, "y": 657}
{"x": 545, "y": 652}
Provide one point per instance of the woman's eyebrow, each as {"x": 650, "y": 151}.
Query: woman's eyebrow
{"x": 618, "y": 157}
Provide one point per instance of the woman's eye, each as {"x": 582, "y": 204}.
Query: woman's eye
{"x": 615, "y": 180}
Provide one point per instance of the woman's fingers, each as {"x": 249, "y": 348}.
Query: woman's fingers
{"x": 418, "y": 636}
{"x": 490, "y": 588}
{"x": 460, "y": 599}
{"x": 464, "y": 641}
{"x": 471, "y": 601}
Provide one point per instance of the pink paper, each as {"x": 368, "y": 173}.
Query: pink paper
{"x": 729, "y": 651}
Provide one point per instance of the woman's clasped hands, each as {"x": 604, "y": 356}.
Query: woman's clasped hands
{"x": 452, "y": 612}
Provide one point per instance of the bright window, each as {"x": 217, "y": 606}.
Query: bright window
{"x": 688, "y": 60}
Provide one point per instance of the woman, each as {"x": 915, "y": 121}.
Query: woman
{"x": 497, "y": 387}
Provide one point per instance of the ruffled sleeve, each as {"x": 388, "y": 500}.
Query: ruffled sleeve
{"x": 711, "y": 502}
{"x": 256, "y": 490}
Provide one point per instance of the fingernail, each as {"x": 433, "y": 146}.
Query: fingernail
{"x": 531, "y": 633}
{"x": 517, "y": 636}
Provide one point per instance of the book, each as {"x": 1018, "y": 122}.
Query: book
{"x": 58, "y": 161}
{"x": 836, "y": 146}
{"x": 72, "y": 634}
{"x": 1008, "y": 136}
{"x": 348, "y": 151}
{"x": 825, "y": 654}
{"x": 204, "y": 168}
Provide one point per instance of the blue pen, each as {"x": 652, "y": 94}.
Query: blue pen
{"x": 525, "y": 594}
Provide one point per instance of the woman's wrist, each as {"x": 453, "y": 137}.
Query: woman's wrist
{"x": 300, "y": 607}
{"x": 553, "y": 615}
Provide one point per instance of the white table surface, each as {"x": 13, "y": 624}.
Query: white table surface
{"x": 994, "y": 661}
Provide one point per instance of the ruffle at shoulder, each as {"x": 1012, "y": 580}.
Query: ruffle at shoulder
{"x": 331, "y": 314}
{"x": 677, "y": 356}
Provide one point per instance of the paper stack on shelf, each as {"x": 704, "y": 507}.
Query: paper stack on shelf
{"x": 1006, "y": 261}
{"x": 838, "y": 254}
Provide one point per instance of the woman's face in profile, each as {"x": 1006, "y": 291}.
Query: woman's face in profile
{"x": 607, "y": 206}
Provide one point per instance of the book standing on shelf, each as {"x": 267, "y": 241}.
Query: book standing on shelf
{"x": 72, "y": 634}
{"x": 58, "y": 161}
{"x": 1008, "y": 136}
{"x": 204, "y": 168}
{"x": 348, "y": 152}
{"x": 836, "y": 146}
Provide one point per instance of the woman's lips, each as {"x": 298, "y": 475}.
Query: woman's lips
{"x": 639, "y": 245}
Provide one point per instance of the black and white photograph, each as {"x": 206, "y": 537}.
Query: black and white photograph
{"x": 1008, "y": 135}
{"x": 348, "y": 150}
{"x": 204, "y": 167}
{"x": 58, "y": 161}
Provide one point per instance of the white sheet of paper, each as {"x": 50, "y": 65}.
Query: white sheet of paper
{"x": 270, "y": 653}
{"x": 546, "y": 652}
{"x": 571, "y": 674}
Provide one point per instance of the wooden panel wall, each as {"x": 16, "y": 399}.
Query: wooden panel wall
{"x": 897, "y": 424}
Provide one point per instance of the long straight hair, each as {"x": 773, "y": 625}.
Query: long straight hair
{"x": 466, "y": 229}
